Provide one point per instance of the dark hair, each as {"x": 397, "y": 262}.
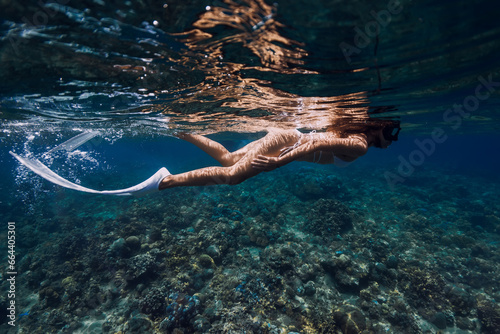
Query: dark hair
{"x": 390, "y": 128}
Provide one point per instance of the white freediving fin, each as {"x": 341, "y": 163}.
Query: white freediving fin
{"x": 144, "y": 188}
{"x": 149, "y": 186}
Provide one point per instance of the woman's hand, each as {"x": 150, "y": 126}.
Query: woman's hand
{"x": 265, "y": 164}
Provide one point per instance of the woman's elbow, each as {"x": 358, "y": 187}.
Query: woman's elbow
{"x": 359, "y": 147}
{"x": 362, "y": 149}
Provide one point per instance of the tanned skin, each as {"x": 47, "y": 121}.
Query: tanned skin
{"x": 278, "y": 148}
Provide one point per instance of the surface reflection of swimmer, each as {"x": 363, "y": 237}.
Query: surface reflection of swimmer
{"x": 280, "y": 147}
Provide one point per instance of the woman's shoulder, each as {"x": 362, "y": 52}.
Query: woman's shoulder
{"x": 353, "y": 145}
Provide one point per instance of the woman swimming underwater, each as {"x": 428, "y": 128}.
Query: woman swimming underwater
{"x": 280, "y": 147}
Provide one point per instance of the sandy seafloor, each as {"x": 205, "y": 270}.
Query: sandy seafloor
{"x": 302, "y": 250}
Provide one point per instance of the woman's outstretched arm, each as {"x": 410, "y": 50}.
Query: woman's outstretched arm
{"x": 354, "y": 146}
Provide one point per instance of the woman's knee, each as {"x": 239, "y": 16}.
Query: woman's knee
{"x": 227, "y": 160}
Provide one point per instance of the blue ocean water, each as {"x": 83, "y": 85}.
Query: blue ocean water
{"x": 404, "y": 240}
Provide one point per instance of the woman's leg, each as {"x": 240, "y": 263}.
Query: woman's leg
{"x": 238, "y": 164}
{"x": 211, "y": 147}
{"x": 217, "y": 151}
{"x": 210, "y": 176}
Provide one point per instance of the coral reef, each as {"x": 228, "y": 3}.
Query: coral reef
{"x": 250, "y": 259}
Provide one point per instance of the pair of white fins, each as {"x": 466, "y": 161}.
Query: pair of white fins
{"x": 144, "y": 188}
